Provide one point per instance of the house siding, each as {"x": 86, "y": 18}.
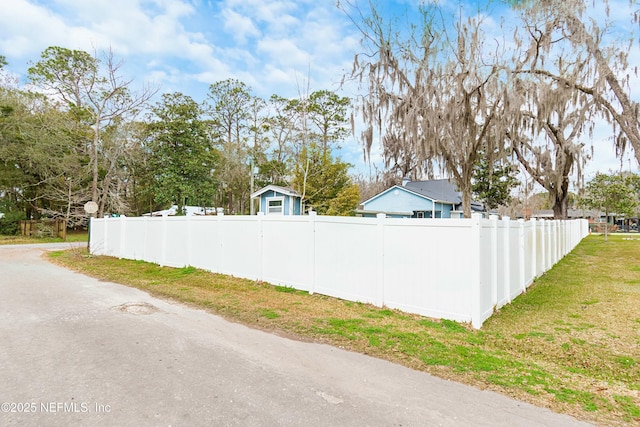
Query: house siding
{"x": 291, "y": 204}
{"x": 399, "y": 200}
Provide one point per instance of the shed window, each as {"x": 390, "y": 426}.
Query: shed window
{"x": 275, "y": 206}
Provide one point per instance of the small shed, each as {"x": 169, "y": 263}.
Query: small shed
{"x": 276, "y": 200}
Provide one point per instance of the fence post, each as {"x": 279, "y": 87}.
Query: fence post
{"x": 542, "y": 242}
{"x": 474, "y": 264}
{"x": 219, "y": 247}
{"x": 521, "y": 251}
{"x": 106, "y": 250}
{"x": 163, "y": 239}
{"x": 556, "y": 242}
{"x": 260, "y": 217}
{"x": 548, "y": 245}
{"x": 123, "y": 236}
{"x": 312, "y": 251}
{"x": 89, "y": 236}
{"x": 189, "y": 240}
{"x": 62, "y": 229}
{"x": 560, "y": 239}
{"x": 506, "y": 257}
{"x": 534, "y": 248}
{"x": 380, "y": 218}
{"x": 145, "y": 222}
{"x": 494, "y": 259}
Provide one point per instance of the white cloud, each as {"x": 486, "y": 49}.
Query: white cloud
{"x": 27, "y": 29}
{"x": 276, "y": 14}
{"x": 283, "y": 51}
{"x": 241, "y": 27}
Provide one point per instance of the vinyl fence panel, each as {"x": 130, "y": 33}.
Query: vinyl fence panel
{"x": 458, "y": 269}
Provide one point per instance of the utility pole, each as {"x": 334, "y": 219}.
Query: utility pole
{"x": 251, "y": 208}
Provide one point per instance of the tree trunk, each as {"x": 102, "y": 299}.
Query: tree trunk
{"x": 560, "y": 197}
{"x": 94, "y": 165}
{"x": 560, "y": 204}
{"x": 466, "y": 201}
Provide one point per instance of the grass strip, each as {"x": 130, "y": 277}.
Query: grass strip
{"x": 21, "y": 240}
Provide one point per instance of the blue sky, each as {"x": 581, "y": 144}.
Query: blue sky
{"x": 284, "y": 47}
{"x": 185, "y": 45}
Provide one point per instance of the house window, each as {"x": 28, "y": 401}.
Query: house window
{"x": 421, "y": 214}
{"x": 275, "y": 206}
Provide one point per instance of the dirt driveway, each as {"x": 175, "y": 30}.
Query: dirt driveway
{"x": 78, "y": 351}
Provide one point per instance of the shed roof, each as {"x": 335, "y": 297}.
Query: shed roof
{"x": 278, "y": 189}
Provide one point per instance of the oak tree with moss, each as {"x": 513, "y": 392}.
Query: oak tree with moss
{"x": 433, "y": 92}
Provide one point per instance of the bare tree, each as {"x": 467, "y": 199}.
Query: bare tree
{"x": 435, "y": 98}
{"x": 571, "y": 25}
{"x": 548, "y": 118}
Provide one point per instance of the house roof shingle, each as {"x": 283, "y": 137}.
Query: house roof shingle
{"x": 442, "y": 190}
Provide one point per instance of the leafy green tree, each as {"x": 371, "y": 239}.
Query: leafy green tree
{"x": 11, "y": 215}
{"x": 97, "y": 95}
{"x": 324, "y": 182}
{"x": 140, "y": 177}
{"x": 492, "y": 184}
{"x": 42, "y": 169}
{"x": 612, "y": 193}
{"x": 182, "y": 160}
{"x": 282, "y": 129}
{"x": 272, "y": 172}
{"x": 320, "y": 118}
{"x": 345, "y": 202}
{"x": 229, "y": 105}
{"x": 328, "y": 113}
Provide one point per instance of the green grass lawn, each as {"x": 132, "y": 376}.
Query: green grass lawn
{"x": 18, "y": 240}
{"x": 570, "y": 343}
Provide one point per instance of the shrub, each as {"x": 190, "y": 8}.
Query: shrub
{"x": 44, "y": 230}
{"x": 9, "y": 223}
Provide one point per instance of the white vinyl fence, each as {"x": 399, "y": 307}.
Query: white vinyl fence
{"x": 457, "y": 269}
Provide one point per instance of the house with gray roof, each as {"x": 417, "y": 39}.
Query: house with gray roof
{"x": 437, "y": 198}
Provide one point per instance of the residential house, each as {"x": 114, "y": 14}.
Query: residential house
{"x": 438, "y": 198}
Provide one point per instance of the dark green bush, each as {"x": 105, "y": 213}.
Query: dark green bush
{"x": 9, "y": 223}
